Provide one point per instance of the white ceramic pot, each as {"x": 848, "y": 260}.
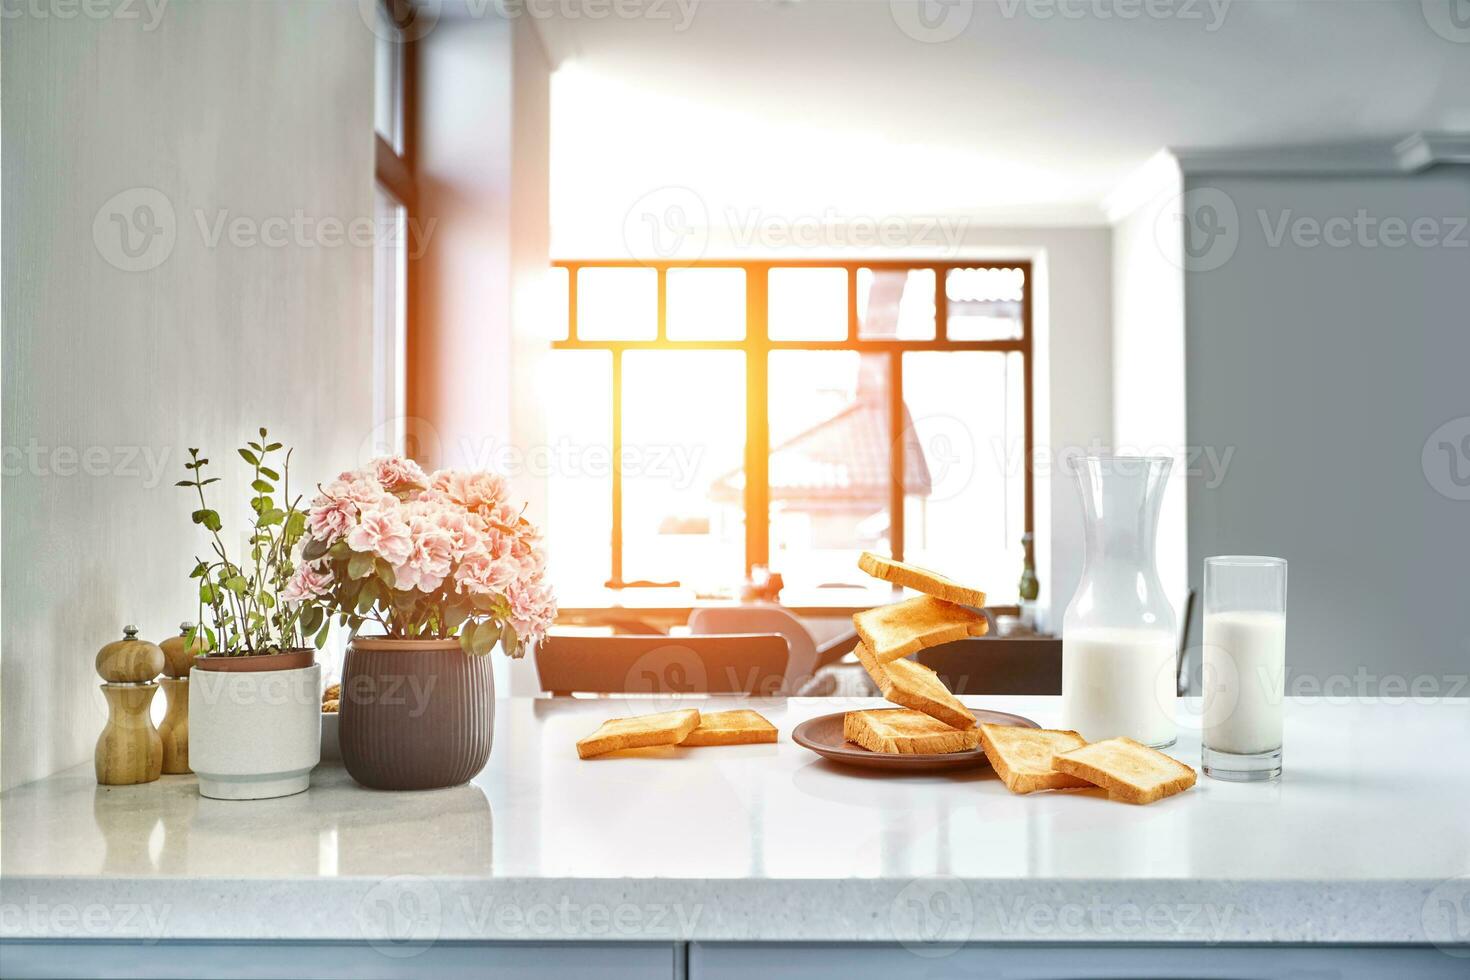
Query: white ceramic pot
{"x": 254, "y": 734}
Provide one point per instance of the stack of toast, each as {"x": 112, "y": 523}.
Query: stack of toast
{"x": 684, "y": 727}
{"x": 932, "y": 719}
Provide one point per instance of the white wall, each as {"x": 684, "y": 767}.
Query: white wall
{"x": 261, "y": 109}
{"x": 1327, "y": 369}
{"x": 1148, "y": 355}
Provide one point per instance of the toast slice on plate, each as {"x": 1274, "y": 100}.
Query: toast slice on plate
{"x": 913, "y": 685}
{"x": 743, "y": 727}
{"x": 895, "y": 631}
{"x": 1129, "y": 771}
{"x": 903, "y": 731}
{"x": 919, "y": 579}
{"x": 1021, "y": 757}
{"x": 642, "y": 731}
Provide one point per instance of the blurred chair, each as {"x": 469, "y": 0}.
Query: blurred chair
{"x": 806, "y": 656}
{"x": 998, "y": 665}
{"x": 744, "y": 664}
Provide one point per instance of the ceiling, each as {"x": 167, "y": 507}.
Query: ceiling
{"x": 999, "y": 111}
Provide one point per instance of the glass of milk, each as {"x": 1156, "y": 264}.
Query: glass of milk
{"x": 1119, "y": 639}
{"x": 1244, "y": 666}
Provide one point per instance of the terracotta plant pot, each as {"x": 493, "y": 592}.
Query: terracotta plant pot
{"x": 415, "y": 714}
{"x": 255, "y": 724}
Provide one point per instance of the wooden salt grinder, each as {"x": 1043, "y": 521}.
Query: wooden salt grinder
{"x": 178, "y": 658}
{"x": 129, "y": 750}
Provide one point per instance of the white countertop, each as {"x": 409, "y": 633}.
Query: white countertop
{"x": 1365, "y": 840}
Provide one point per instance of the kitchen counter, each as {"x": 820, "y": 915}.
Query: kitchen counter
{"x": 1366, "y": 840}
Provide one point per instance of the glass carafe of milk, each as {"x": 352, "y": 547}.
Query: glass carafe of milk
{"x": 1118, "y": 635}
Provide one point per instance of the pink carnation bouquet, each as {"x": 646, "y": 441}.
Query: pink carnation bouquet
{"x": 426, "y": 557}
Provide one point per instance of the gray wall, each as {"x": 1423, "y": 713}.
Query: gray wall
{"x": 1326, "y": 369}
{"x": 259, "y": 109}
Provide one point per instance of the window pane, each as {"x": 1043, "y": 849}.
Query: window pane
{"x": 895, "y": 303}
{"x": 829, "y": 466}
{"x": 617, "y": 304}
{"x": 984, "y": 304}
{"x": 807, "y": 304}
{"x": 578, "y": 522}
{"x": 705, "y": 304}
{"x": 964, "y": 516}
{"x": 558, "y": 302}
{"x": 389, "y": 325}
{"x": 683, "y": 467}
{"x": 388, "y": 81}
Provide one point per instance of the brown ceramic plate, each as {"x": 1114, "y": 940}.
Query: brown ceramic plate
{"x": 823, "y": 735}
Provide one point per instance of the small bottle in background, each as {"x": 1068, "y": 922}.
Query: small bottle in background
{"x": 1028, "y": 588}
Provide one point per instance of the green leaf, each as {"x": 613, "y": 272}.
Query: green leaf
{"x": 311, "y": 619}
{"x": 367, "y": 596}
{"x": 510, "y": 643}
{"x": 267, "y": 600}
{"x": 249, "y": 457}
{"x": 206, "y": 593}
{"x": 466, "y": 641}
{"x": 313, "y": 549}
{"x": 360, "y": 566}
{"x": 321, "y": 637}
{"x": 487, "y": 634}
{"x": 260, "y": 486}
{"x": 385, "y": 574}
{"x": 273, "y": 516}
{"x": 269, "y": 473}
{"x": 213, "y": 479}
{"x": 184, "y": 483}
{"x": 273, "y": 447}
{"x": 199, "y": 570}
{"x": 237, "y": 584}
{"x": 208, "y": 518}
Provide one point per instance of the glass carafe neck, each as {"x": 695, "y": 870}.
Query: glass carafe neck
{"x": 1121, "y": 498}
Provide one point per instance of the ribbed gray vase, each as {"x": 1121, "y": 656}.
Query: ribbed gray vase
{"x": 415, "y": 714}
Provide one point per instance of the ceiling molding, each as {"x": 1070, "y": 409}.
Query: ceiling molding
{"x": 1410, "y": 154}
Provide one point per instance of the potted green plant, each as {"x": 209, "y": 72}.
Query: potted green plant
{"x": 254, "y": 692}
{"x": 448, "y": 568}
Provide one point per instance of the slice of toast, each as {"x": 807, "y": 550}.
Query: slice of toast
{"x": 915, "y": 686}
{"x": 665, "y": 728}
{"x": 903, "y": 731}
{"x": 1129, "y": 771}
{"x": 1021, "y": 757}
{"x": 919, "y": 579}
{"x": 743, "y": 727}
{"x": 906, "y": 627}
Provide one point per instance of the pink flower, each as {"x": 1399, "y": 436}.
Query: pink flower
{"x": 476, "y": 491}
{"x": 429, "y": 562}
{"x": 464, "y": 537}
{"x": 397, "y": 473}
{"x": 307, "y": 582}
{"x": 479, "y": 574}
{"x": 382, "y": 533}
{"x": 331, "y": 518}
{"x": 532, "y": 611}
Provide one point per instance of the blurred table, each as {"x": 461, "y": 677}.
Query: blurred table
{"x": 660, "y": 608}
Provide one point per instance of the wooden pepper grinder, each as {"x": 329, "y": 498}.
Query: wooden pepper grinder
{"x": 129, "y": 750}
{"x": 178, "y": 658}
